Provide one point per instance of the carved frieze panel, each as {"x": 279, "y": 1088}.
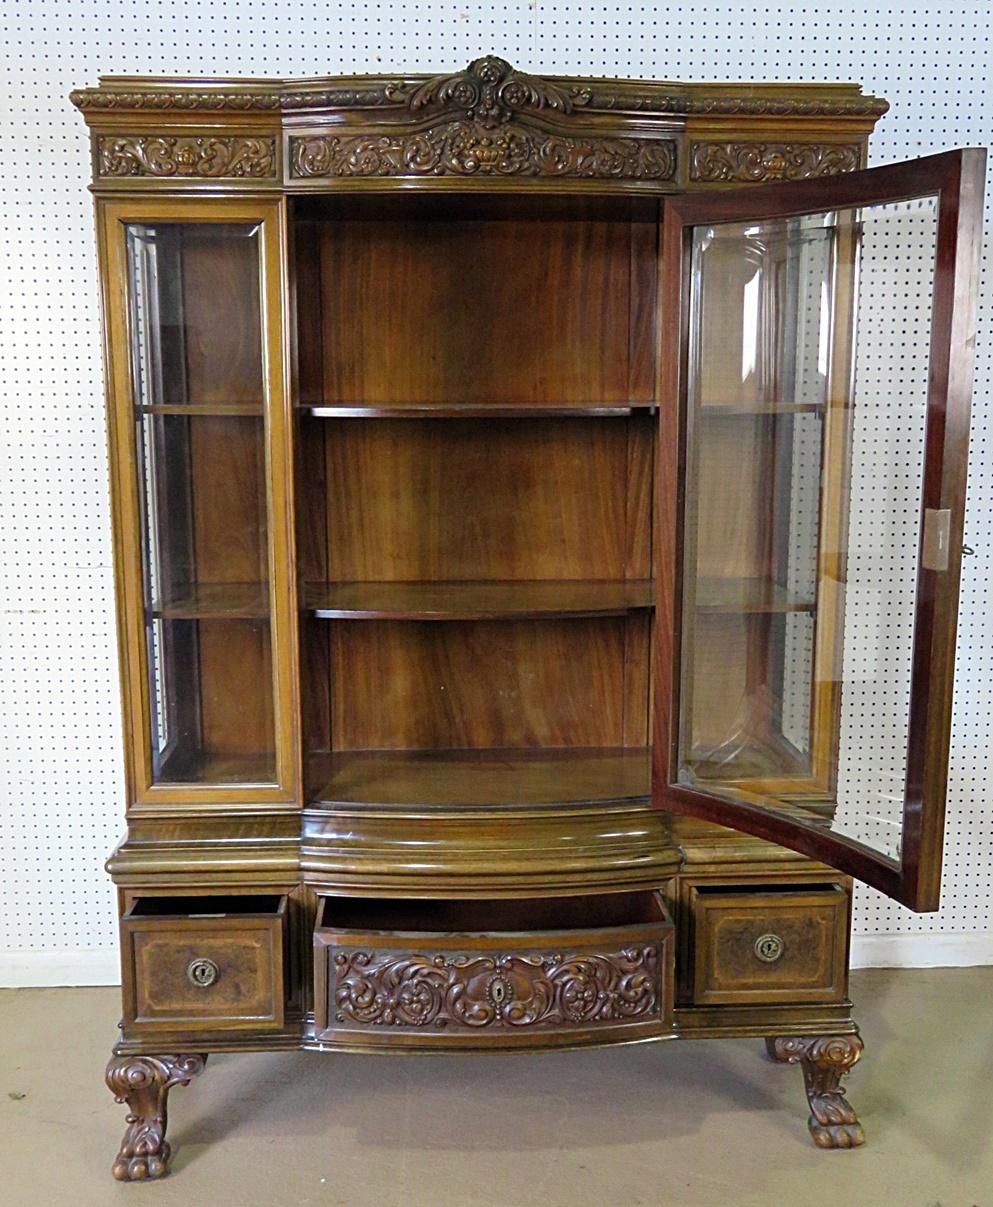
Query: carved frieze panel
{"x": 471, "y": 148}
{"x": 755, "y": 162}
{"x": 471, "y": 992}
{"x": 186, "y": 156}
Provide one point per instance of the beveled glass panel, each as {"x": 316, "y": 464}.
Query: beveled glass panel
{"x": 198, "y": 386}
{"x": 805, "y": 440}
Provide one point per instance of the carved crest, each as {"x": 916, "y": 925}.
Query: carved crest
{"x": 490, "y": 91}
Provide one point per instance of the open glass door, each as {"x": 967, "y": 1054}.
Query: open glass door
{"x": 817, "y": 354}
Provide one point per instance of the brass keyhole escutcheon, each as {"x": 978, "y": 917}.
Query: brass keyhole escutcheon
{"x": 498, "y": 990}
{"x": 769, "y": 948}
{"x": 202, "y": 972}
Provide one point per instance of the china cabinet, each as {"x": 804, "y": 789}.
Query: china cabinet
{"x": 499, "y": 466}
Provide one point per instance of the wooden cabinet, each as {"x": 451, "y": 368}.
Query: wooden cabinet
{"x": 482, "y": 471}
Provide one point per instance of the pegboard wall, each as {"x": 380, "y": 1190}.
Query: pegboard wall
{"x": 60, "y": 760}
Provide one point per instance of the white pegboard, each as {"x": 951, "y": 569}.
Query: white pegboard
{"x": 60, "y": 757}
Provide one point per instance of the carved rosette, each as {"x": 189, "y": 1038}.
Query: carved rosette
{"x": 468, "y": 148}
{"x": 144, "y": 1082}
{"x": 186, "y": 156}
{"x": 754, "y": 162}
{"x": 825, "y": 1060}
{"x": 471, "y": 991}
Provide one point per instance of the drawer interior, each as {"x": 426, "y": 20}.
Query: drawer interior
{"x": 487, "y": 916}
{"x": 261, "y": 905}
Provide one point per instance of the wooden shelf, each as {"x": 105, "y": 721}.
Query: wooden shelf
{"x": 480, "y": 778}
{"x": 732, "y": 409}
{"x": 476, "y": 600}
{"x": 748, "y": 595}
{"x": 217, "y": 601}
{"x": 472, "y": 410}
{"x": 219, "y": 409}
{"x": 184, "y": 767}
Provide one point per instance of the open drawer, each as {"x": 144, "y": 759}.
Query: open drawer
{"x": 203, "y": 963}
{"x": 551, "y": 971}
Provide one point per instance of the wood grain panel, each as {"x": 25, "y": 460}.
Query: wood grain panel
{"x": 246, "y": 950}
{"x": 413, "y": 684}
{"x": 802, "y": 936}
{"x": 227, "y": 471}
{"x": 477, "y": 499}
{"x": 454, "y": 301}
{"x": 236, "y": 687}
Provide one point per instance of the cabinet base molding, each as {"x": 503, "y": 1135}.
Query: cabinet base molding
{"x": 143, "y": 1083}
{"x": 824, "y": 1060}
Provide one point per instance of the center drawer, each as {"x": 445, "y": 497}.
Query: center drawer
{"x": 550, "y": 971}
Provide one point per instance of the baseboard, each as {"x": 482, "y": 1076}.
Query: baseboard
{"x": 921, "y": 950}
{"x": 100, "y": 965}
{"x": 86, "y": 966}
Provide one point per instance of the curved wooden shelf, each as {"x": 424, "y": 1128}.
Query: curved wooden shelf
{"x": 216, "y": 409}
{"x": 218, "y": 601}
{"x": 474, "y": 410}
{"x": 479, "y": 778}
{"x": 476, "y": 600}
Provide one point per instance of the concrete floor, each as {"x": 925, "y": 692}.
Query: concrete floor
{"x": 666, "y": 1125}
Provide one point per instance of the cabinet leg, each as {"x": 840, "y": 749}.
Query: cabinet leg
{"x": 824, "y": 1060}
{"x": 144, "y": 1082}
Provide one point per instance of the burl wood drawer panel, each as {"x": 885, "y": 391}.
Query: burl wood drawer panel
{"x": 764, "y": 946}
{"x": 203, "y": 963}
{"x": 493, "y": 974}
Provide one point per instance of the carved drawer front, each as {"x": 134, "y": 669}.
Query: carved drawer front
{"x": 769, "y": 945}
{"x": 203, "y": 963}
{"x": 492, "y": 974}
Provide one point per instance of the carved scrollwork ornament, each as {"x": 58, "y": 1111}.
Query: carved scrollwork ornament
{"x": 186, "y": 156}
{"x": 756, "y": 162}
{"x": 824, "y": 1061}
{"x": 469, "y": 148}
{"x": 473, "y": 991}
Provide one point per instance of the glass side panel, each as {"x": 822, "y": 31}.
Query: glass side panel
{"x": 805, "y": 438}
{"x": 198, "y": 387}
{"x": 196, "y": 315}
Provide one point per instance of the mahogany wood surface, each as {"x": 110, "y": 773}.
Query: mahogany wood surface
{"x": 480, "y": 778}
{"x": 476, "y": 600}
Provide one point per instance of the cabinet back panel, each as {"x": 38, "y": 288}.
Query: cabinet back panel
{"x": 477, "y": 684}
{"x": 236, "y": 687}
{"x": 227, "y": 475}
{"x": 411, "y": 500}
{"x": 451, "y": 300}
{"x": 221, "y": 318}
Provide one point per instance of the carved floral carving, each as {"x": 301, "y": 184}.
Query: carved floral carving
{"x": 825, "y": 1060}
{"x": 747, "y": 162}
{"x": 499, "y": 991}
{"x": 470, "y": 148}
{"x": 188, "y": 156}
{"x": 144, "y": 1082}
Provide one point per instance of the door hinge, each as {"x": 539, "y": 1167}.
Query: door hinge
{"x": 937, "y": 530}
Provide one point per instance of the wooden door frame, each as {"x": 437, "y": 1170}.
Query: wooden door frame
{"x": 957, "y": 179}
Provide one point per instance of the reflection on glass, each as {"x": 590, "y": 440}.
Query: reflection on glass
{"x": 805, "y": 443}
{"x": 198, "y": 384}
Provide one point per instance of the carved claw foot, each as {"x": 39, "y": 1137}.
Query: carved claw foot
{"x": 144, "y": 1082}
{"x": 824, "y": 1060}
